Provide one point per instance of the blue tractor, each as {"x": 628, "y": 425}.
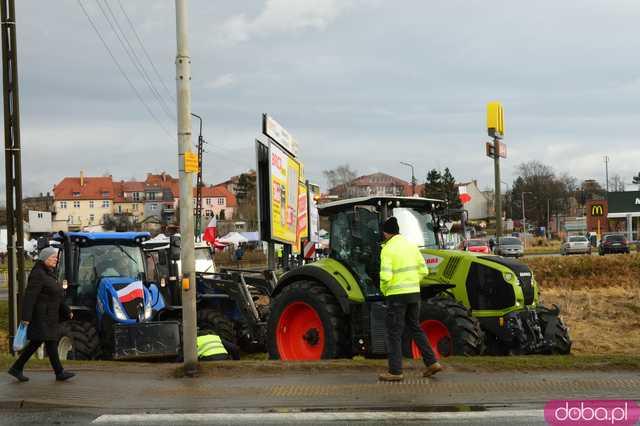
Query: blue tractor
{"x": 115, "y": 306}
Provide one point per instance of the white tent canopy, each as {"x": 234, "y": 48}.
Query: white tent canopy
{"x": 233, "y": 238}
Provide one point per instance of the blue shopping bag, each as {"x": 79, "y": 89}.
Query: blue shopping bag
{"x": 20, "y": 339}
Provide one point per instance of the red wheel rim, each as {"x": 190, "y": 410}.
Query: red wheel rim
{"x": 300, "y": 334}
{"x": 439, "y": 337}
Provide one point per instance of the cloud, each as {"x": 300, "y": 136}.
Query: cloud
{"x": 281, "y": 16}
{"x": 225, "y": 80}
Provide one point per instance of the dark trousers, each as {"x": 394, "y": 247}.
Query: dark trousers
{"x": 401, "y": 314}
{"x": 52, "y": 351}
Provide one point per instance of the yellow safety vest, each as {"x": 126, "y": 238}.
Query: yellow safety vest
{"x": 402, "y": 267}
{"x": 210, "y": 345}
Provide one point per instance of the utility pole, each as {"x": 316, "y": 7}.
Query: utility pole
{"x": 606, "y": 173}
{"x": 548, "y": 219}
{"x": 413, "y": 177}
{"x": 186, "y": 168}
{"x": 13, "y": 164}
{"x": 198, "y": 226}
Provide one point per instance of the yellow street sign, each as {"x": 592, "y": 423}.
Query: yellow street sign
{"x": 190, "y": 162}
{"x": 495, "y": 120}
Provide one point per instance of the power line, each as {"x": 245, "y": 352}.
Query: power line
{"x": 124, "y": 42}
{"x": 124, "y": 74}
{"x": 133, "y": 29}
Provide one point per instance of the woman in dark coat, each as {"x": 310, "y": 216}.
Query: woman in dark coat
{"x": 42, "y": 308}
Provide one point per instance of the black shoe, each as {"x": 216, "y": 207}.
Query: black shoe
{"x": 64, "y": 376}
{"x": 18, "y": 375}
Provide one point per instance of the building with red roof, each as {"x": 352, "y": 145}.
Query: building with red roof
{"x": 82, "y": 201}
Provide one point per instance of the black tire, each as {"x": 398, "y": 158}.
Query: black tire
{"x": 78, "y": 340}
{"x": 554, "y": 330}
{"x": 319, "y": 298}
{"x": 212, "y": 321}
{"x": 467, "y": 338}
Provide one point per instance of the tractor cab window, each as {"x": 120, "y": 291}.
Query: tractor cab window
{"x": 416, "y": 226}
{"x": 355, "y": 242}
{"x": 100, "y": 261}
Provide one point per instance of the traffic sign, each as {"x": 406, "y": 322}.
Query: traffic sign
{"x": 190, "y": 162}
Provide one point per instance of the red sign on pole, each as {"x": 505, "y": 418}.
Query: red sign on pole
{"x": 309, "y": 249}
{"x": 490, "y": 149}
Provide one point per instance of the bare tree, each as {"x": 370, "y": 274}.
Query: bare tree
{"x": 341, "y": 175}
{"x": 541, "y": 188}
{"x": 616, "y": 183}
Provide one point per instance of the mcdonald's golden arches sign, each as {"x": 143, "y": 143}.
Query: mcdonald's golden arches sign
{"x": 597, "y": 210}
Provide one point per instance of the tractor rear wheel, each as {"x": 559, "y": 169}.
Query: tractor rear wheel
{"x": 306, "y": 323}
{"x": 211, "y": 321}
{"x": 78, "y": 340}
{"x": 450, "y": 328}
{"x": 554, "y": 330}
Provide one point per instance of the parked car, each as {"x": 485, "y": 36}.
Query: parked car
{"x": 509, "y": 246}
{"x": 613, "y": 243}
{"x": 476, "y": 246}
{"x": 577, "y": 244}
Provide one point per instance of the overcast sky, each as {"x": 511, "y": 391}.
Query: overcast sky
{"x": 368, "y": 83}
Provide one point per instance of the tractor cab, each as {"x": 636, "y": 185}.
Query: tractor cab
{"x": 104, "y": 268}
{"x": 108, "y": 289}
{"x": 356, "y": 232}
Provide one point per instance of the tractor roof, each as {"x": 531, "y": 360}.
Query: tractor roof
{"x": 378, "y": 201}
{"x": 105, "y": 236}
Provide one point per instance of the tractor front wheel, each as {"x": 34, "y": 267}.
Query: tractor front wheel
{"x": 450, "y": 329}
{"x": 212, "y": 321}
{"x": 78, "y": 340}
{"x": 554, "y": 330}
{"x": 306, "y": 323}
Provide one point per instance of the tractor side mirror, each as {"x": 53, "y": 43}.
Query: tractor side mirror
{"x": 174, "y": 247}
{"x": 43, "y": 242}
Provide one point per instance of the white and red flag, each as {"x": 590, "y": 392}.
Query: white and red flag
{"x": 131, "y": 292}
{"x": 210, "y": 231}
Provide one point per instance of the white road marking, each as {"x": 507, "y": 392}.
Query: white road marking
{"x": 247, "y": 418}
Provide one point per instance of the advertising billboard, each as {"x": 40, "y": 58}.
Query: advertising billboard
{"x": 303, "y": 221}
{"x": 284, "y": 177}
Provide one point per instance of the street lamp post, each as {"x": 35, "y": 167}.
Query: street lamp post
{"x": 413, "y": 177}
{"x": 524, "y": 221}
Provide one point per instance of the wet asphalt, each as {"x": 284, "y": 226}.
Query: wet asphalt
{"x": 133, "y": 395}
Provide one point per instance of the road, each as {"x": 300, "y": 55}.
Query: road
{"x": 149, "y": 394}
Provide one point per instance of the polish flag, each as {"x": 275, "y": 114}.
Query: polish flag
{"x": 210, "y": 231}
{"x": 130, "y": 292}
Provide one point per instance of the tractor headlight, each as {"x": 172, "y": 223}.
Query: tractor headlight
{"x": 508, "y": 276}
{"x": 117, "y": 310}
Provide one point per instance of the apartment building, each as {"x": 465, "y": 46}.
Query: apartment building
{"x": 129, "y": 199}
{"x": 81, "y": 201}
{"x": 218, "y": 201}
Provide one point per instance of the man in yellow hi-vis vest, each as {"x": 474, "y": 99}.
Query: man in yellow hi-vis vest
{"x": 212, "y": 348}
{"x": 402, "y": 267}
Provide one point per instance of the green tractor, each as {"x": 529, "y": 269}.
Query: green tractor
{"x": 472, "y": 303}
